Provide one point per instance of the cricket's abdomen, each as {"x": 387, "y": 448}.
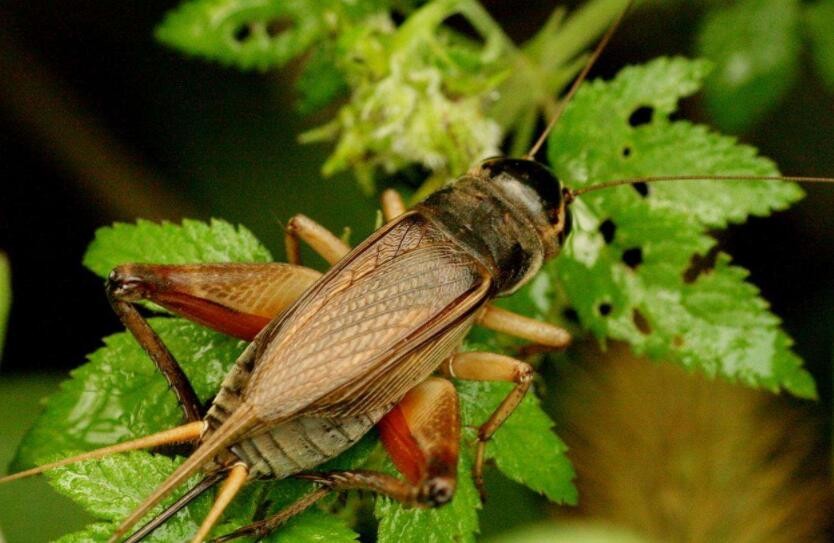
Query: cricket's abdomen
{"x": 301, "y": 444}
{"x": 294, "y": 446}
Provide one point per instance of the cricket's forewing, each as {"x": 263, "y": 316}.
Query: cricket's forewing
{"x": 402, "y": 289}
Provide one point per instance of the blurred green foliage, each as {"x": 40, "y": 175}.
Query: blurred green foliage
{"x": 819, "y": 19}
{"x": 756, "y": 45}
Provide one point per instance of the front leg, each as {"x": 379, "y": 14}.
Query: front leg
{"x": 540, "y": 333}
{"x": 481, "y": 366}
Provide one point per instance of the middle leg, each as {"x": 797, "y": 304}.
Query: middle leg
{"x": 483, "y": 366}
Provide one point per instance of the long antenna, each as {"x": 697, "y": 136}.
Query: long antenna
{"x": 572, "y": 194}
{"x": 560, "y": 107}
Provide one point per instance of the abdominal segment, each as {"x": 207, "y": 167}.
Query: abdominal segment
{"x": 301, "y": 444}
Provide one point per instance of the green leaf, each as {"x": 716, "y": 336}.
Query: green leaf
{"x": 313, "y": 526}
{"x": 595, "y": 142}
{"x": 110, "y": 489}
{"x": 819, "y": 20}
{"x": 246, "y": 33}
{"x": 98, "y": 532}
{"x": 626, "y": 268}
{"x": 756, "y": 45}
{"x": 456, "y": 521}
{"x": 525, "y": 448}
{"x": 320, "y": 82}
{"x": 261, "y": 34}
{"x": 166, "y": 243}
{"x": 119, "y": 394}
{"x": 5, "y": 297}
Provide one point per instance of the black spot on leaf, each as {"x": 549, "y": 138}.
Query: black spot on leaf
{"x": 608, "y": 229}
{"x": 700, "y": 265}
{"x": 633, "y": 257}
{"x": 242, "y": 33}
{"x": 605, "y": 309}
{"x": 641, "y": 322}
{"x": 570, "y": 315}
{"x": 278, "y": 25}
{"x": 640, "y": 116}
{"x": 641, "y": 188}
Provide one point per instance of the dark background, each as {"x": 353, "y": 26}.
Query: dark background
{"x": 100, "y": 123}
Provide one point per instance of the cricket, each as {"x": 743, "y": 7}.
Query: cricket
{"x": 371, "y": 343}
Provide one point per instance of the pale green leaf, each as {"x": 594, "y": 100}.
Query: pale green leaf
{"x": 110, "y": 489}
{"x": 596, "y": 142}
{"x": 626, "y": 267}
{"x": 260, "y": 34}
{"x": 246, "y": 33}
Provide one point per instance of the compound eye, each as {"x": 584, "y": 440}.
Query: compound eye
{"x": 532, "y": 174}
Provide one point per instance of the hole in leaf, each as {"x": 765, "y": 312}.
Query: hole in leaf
{"x": 276, "y": 26}
{"x": 570, "y": 315}
{"x": 462, "y": 25}
{"x": 641, "y": 322}
{"x": 626, "y": 151}
{"x": 640, "y": 116}
{"x": 677, "y": 342}
{"x": 608, "y": 229}
{"x": 243, "y": 33}
{"x": 633, "y": 257}
{"x": 699, "y": 265}
{"x": 641, "y": 188}
{"x": 605, "y": 309}
{"x": 397, "y": 17}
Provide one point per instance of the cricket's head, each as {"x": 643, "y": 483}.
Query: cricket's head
{"x": 536, "y": 192}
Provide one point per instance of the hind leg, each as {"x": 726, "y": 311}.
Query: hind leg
{"x": 422, "y": 436}
{"x": 236, "y": 299}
